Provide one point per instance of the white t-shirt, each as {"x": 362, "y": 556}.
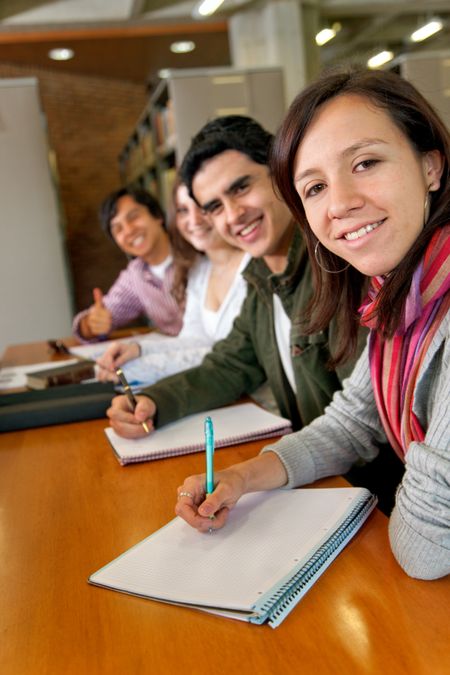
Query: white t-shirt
{"x": 162, "y": 355}
{"x": 283, "y": 332}
{"x": 201, "y": 322}
{"x": 160, "y": 270}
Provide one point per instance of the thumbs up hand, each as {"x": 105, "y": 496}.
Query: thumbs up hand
{"x": 98, "y": 320}
{"x": 97, "y": 294}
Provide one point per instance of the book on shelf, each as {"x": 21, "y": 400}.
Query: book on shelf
{"x": 73, "y": 373}
{"x": 150, "y": 183}
{"x": 148, "y": 149}
{"x": 164, "y": 123}
{"x": 167, "y": 182}
{"x": 232, "y": 425}
{"x": 272, "y": 550}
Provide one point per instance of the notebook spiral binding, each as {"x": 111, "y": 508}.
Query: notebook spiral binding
{"x": 268, "y": 432}
{"x": 287, "y": 596}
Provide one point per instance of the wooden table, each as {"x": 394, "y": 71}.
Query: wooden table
{"x": 67, "y": 508}
{"x": 35, "y": 352}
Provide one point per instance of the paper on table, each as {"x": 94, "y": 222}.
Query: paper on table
{"x": 96, "y": 349}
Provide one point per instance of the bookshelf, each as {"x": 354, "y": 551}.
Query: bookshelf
{"x": 180, "y": 105}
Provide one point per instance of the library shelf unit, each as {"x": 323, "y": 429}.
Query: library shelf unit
{"x": 180, "y": 105}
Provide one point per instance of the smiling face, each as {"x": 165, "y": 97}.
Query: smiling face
{"x": 238, "y": 196}
{"x": 193, "y": 225}
{"x": 137, "y": 232}
{"x": 364, "y": 193}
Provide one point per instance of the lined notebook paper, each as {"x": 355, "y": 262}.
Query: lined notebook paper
{"x": 273, "y": 549}
{"x": 232, "y": 425}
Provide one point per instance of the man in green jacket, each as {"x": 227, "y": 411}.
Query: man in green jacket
{"x": 226, "y": 171}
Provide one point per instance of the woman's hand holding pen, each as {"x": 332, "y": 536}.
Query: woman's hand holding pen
{"x": 210, "y": 512}
{"x": 115, "y": 356}
{"x": 206, "y": 512}
{"x": 127, "y": 423}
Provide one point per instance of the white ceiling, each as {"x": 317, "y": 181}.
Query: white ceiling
{"x": 367, "y": 25}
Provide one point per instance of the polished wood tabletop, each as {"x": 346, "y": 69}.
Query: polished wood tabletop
{"x": 67, "y": 508}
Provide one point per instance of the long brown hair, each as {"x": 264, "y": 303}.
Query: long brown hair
{"x": 184, "y": 254}
{"x": 339, "y": 295}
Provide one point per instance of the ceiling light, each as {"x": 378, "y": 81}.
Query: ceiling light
{"x": 207, "y": 7}
{"x": 182, "y": 47}
{"x": 164, "y": 73}
{"x": 427, "y": 30}
{"x": 380, "y": 59}
{"x": 327, "y": 34}
{"x": 61, "y": 54}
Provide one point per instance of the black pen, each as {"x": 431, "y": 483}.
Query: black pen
{"x": 59, "y": 347}
{"x": 129, "y": 394}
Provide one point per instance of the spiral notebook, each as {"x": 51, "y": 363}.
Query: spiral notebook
{"x": 232, "y": 425}
{"x": 273, "y": 549}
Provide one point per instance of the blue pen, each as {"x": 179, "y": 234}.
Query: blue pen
{"x": 209, "y": 442}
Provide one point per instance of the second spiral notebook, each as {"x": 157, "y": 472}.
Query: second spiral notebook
{"x": 232, "y": 424}
{"x": 273, "y": 549}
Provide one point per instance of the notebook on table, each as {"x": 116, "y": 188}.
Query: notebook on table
{"x": 232, "y": 425}
{"x": 272, "y": 550}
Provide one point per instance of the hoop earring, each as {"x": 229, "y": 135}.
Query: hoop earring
{"x": 426, "y": 208}
{"x": 324, "y": 269}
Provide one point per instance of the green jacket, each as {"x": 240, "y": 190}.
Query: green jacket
{"x": 248, "y": 356}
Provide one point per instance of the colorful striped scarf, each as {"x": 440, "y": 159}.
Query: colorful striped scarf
{"x": 396, "y": 362}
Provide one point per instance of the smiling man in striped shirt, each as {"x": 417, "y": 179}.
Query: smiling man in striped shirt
{"x": 135, "y": 221}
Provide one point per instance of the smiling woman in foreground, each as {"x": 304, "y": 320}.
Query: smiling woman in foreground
{"x": 362, "y": 160}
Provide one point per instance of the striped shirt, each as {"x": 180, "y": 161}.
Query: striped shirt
{"x": 138, "y": 291}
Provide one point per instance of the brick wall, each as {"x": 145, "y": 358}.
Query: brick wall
{"x": 89, "y": 120}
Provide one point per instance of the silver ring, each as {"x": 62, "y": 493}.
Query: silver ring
{"x": 185, "y": 494}
{"x": 211, "y": 530}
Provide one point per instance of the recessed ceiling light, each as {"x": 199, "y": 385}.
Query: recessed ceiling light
{"x": 182, "y": 47}
{"x": 427, "y": 30}
{"x": 380, "y": 59}
{"x": 207, "y": 7}
{"x": 327, "y": 34}
{"x": 61, "y": 54}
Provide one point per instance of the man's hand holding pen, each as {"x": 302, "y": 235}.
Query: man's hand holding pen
{"x": 128, "y": 423}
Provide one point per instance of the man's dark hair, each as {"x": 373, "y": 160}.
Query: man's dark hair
{"x": 230, "y": 132}
{"x": 108, "y": 207}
